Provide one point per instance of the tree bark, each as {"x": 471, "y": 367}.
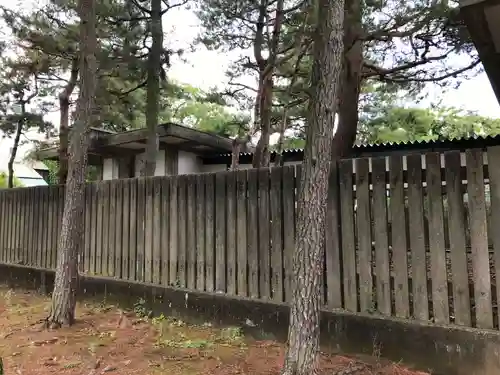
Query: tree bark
{"x": 266, "y": 87}
{"x": 351, "y": 77}
{"x": 64, "y": 103}
{"x": 153, "y": 90}
{"x": 62, "y": 310}
{"x": 308, "y": 262}
{"x": 15, "y": 146}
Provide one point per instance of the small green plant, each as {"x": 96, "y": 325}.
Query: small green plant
{"x": 188, "y": 344}
{"x": 157, "y": 320}
{"x": 231, "y": 334}
{"x": 71, "y": 365}
{"x": 140, "y": 308}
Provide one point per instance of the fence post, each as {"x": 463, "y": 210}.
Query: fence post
{"x": 332, "y": 241}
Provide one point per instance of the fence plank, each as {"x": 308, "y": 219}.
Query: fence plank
{"x": 165, "y": 228}
{"x": 8, "y": 228}
{"x": 220, "y": 232}
{"x": 20, "y": 193}
{"x": 253, "y": 235}
{"x": 241, "y": 231}
{"x": 173, "y": 232}
{"x": 112, "y": 253}
{"x": 29, "y": 225}
{"x": 479, "y": 238}
{"x": 181, "y": 230}
{"x": 105, "y": 226}
{"x": 348, "y": 237}
{"x": 200, "y": 232}
{"x": 24, "y": 233}
{"x": 399, "y": 249}
{"x": 125, "y": 243}
{"x": 88, "y": 227}
{"x": 364, "y": 239}
{"x": 456, "y": 228}
{"x": 37, "y": 224}
{"x": 381, "y": 235}
{"x": 51, "y": 241}
{"x": 118, "y": 246}
{"x": 437, "y": 245}
{"x": 494, "y": 174}
{"x": 46, "y": 252}
{"x": 15, "y": 227}
{"x": 191, "y": 232}
{"x": 22, "y": 229}
{"x": 148, "y": 230}
{"x": 61, "y": 190}
{"x": 417, "y": 238}
{"x": 93, "y": 230}
{"x": 24, "y": 225}
{"x": 20, "y": 223}
{"x": 264, "y": 240}
{"x": 132, "y": 248}
{"x": 332, "y": 242}
{"x": 157, "y": 230}
{"x": 141, "y": 230}
{"x": 3, "y": 222}
{"x": 276, "y": 234}
{"x": 5, "y": 225}
{"x": 99, "y": 227}
{"x": 231, "y": 219}
{"x": 209, "y": 232}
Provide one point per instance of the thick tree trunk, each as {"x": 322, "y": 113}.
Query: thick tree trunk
{"x": 350, "y": 80}
{"x": 308, "y": 262}
{"x": 71, "y": 237}
{"x": 153, "y": 90}
{"x": 64, "y": 103}
{"x": 15, "y": 146}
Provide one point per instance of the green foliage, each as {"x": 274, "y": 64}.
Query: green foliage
{"x": 406, "y": 45}
{"x": 93, "y": 173}
{"x": 191, "y": 106}
{"x": 4, "y": 179}
{"x": 140, "y": 308}
{"x": 398, "y": 124}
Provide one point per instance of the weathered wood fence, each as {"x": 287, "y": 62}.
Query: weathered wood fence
{"x": 408, "y": 236}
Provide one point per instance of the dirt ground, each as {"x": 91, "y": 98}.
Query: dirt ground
{"x": 109, "y": 340}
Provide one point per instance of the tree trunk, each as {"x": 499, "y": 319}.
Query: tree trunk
{"x": 62, "y": 310}
{"x": 350, "y": 86}
{"x": 153, "y": 90}
{"x": 15, "y": 146}
{"x": 267, "y": 67}
{"x": 64, "y": 103}
{"x": 308, "y": 262}
{"x": 261, "y": 155}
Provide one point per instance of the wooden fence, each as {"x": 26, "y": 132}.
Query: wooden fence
{"x": 398, "y": 241}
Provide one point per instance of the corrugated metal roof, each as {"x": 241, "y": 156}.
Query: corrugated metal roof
{"x": 394, "y": 146}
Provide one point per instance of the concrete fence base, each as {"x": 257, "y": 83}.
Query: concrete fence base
{"x": 445, "y": 350}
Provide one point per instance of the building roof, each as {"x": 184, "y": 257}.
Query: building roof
{"x": 109, "y": 144}
{"x": 482, "y": 18}
{"x": 26, "y": 175}
{"x": 365, "y": 150}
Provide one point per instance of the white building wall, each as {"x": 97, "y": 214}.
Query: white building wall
{"x": 160, "y": 164}
{"x": 188, "y": 163}
{"x": 110, "y": 169}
